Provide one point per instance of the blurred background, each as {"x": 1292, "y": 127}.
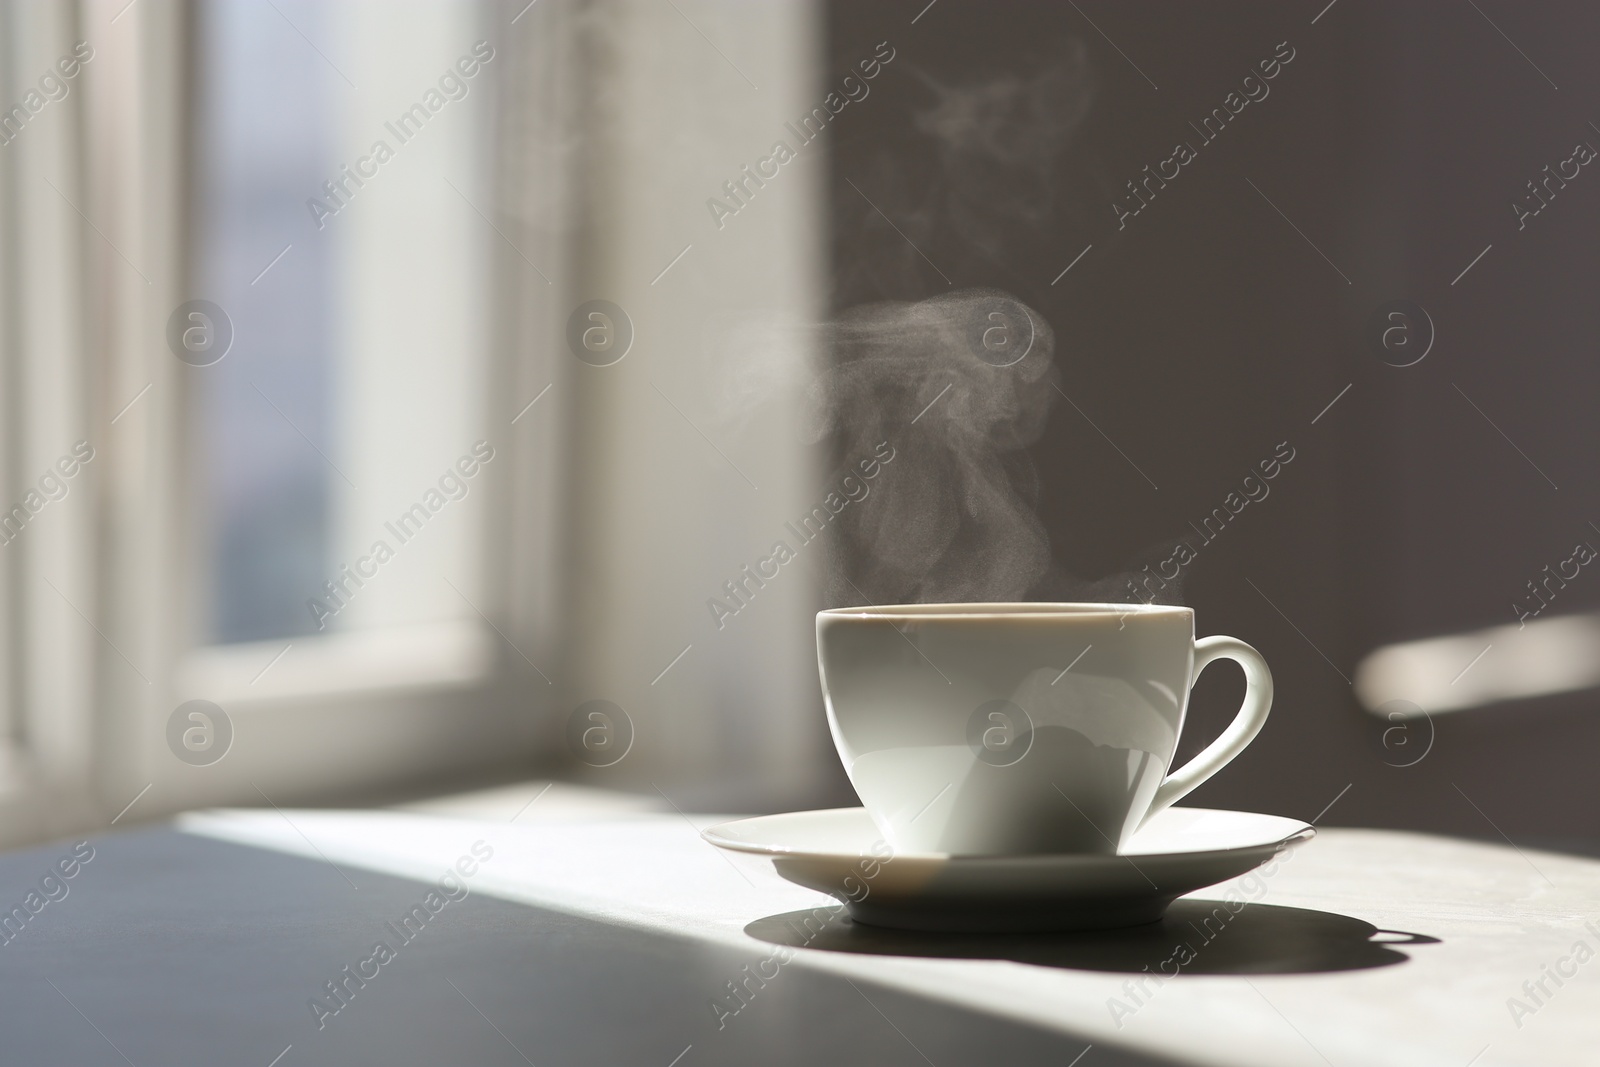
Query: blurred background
{"x": 530, "y": 296}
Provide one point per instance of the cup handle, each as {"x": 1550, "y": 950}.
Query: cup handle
{"x": 1251, "y": 718}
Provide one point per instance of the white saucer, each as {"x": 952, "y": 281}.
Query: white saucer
{"x": 841, "y": 852}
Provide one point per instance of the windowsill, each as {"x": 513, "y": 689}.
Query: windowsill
{"x": 449, "y": 654}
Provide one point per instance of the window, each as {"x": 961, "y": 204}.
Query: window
{"x": 267, "y": 114}
{"x": 339, "y": 449}
{"x": 358, "y": 597}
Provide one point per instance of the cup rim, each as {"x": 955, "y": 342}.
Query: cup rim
{"x": 1004, "y": 610}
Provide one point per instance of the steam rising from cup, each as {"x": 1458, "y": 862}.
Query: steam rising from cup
{"x": 958, "y": 384}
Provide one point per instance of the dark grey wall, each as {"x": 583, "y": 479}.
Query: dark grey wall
{"x": 1214, "y": 325}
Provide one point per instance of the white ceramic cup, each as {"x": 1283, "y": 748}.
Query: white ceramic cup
{"x": 1011, "y": 729}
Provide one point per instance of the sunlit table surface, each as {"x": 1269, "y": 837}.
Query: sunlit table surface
{"x": 543, "y": 930}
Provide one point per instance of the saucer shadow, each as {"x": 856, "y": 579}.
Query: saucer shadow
{"x": 1256, "y": 939}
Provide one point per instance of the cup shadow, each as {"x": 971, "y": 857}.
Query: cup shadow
{"x": 1197, "y": 937}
